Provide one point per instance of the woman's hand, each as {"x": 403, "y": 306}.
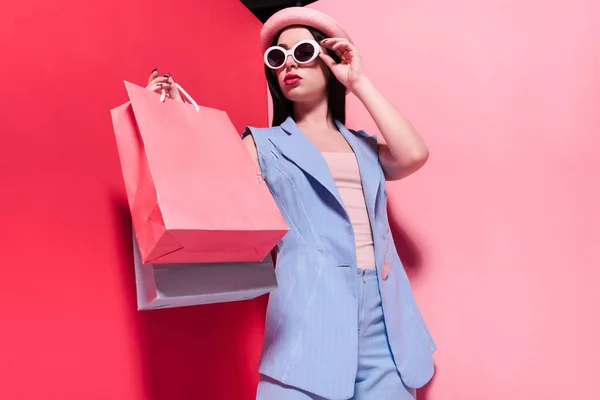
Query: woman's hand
{"x": 349, "y": 71}
{"x": 157, "y": 83}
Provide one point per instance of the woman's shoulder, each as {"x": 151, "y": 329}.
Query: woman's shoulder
{"x": 250, "y": 144}
{"x": 256, "y": 138}
{"x": 260, "y": 134}
{"x": 252, "y": 130}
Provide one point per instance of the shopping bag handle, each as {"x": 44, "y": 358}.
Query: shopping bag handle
{"x": 163, "y": 96}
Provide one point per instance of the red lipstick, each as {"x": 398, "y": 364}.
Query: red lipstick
{"x": 291, "y": 79}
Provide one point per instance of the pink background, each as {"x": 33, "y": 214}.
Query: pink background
{"x": 499, "y": 231}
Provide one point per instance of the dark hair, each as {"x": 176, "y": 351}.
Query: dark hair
{"x": 336, "y": 92}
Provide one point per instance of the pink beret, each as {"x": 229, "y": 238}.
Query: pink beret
{"x": 299, "y": 16}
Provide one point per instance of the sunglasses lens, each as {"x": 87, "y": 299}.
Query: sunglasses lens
{"x": 304, "y": 52}
{"x": 275, "y": 58}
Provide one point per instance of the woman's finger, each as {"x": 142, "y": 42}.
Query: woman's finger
{"x": 332, "y": 41}
{"x": 157, "y": 87}
{"x": 160, "y": 79}
{"x": 341, "y": 46}
{"x": 153, "y": 75}
{"x": 154, "y": 88}
{"x": 164, "y": 82}
{"x": 172, "y": 89}
{"x": 328, "y": 42}
{"x": 345, "y": 51}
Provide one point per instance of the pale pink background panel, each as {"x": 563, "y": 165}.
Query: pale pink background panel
{"x": 500, "y": 232}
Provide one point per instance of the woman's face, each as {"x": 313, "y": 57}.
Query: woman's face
{"x": 301, "y": 82}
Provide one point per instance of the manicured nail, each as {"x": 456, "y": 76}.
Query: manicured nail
{"x": 167, "y": 75}
{"x": 154, "y": 70}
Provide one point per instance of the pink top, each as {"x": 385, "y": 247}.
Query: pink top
{"x": 345, "y": 172}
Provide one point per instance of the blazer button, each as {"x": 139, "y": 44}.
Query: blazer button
{"x": 385, "y": 270}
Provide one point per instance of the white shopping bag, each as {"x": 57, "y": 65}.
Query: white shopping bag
{"x": 181, "y": 285}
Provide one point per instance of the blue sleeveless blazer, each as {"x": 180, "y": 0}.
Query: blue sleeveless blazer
{"x": 311, "y": 339}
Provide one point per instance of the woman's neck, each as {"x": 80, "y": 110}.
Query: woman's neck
{"x": 313, "y": 116}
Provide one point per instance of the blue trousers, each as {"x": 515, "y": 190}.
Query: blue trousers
{"x": 377, "y": 376}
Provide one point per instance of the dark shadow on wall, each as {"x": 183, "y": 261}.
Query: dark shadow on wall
{"x": 191, "y": 353}
{"x": 423, "y": 393}
{"x": 408, "y": 250}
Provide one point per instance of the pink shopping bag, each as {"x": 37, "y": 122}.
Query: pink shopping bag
{"x": 194, "y": 192}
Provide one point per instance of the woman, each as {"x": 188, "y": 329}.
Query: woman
{"x": 343, "y": 323}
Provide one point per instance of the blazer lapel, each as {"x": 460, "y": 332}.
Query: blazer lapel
{"x": 368, "y": 165}
{"x": 296, "y": 147}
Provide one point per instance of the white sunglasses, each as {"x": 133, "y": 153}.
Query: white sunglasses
{"x": 303, "y": 52}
